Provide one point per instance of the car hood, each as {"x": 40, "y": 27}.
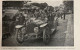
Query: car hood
{"x": 34, "y": 23}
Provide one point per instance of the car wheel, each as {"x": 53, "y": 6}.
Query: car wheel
{"x": 20, "y": 36}
{"x": 46, "y": 36}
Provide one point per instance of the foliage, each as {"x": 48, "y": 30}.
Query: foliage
{"x": 41, "y": 5}
{"x": 68, "y": 5}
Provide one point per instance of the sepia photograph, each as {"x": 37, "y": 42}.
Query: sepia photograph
{"x": 38, "y": 23}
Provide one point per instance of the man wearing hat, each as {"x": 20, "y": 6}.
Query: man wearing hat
{"x": 21, "y": 18}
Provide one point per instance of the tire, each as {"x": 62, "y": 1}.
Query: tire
{"x": 20, "y": 36}
{"x": 46, "y": 36}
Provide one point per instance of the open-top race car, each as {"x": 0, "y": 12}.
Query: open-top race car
{"x": 35, "y": 28}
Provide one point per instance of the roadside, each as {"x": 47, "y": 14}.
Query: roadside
{"x": 69, "y": 39}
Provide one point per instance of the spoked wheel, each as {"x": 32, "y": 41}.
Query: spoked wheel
{"x": 46, "y": 36}
{"x": 20, "y": 35}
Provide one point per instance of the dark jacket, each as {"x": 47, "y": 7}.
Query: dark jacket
{"x": 21, "y": 20}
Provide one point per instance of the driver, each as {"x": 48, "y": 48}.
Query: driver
{"x": 21, "y": 19}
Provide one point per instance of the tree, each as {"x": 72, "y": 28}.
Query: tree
{"x": 41, "y": 5}
{"x": 68, "y": 5}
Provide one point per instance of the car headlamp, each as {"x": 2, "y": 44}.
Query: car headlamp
{"x": 36, "y": 29}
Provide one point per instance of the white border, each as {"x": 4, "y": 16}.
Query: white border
{"x": 76, "y": 33}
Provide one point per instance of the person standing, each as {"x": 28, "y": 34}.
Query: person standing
{"x": 21, "y": 19}
{"x": 64, "y": 12}
{"x": 50, "y": 19}
{"x": 57, "y": 15}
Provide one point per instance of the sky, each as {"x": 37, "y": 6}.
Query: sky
{"x": 50, "y": 2}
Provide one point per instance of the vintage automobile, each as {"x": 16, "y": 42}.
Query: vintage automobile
{"x": 35, "y": 28}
